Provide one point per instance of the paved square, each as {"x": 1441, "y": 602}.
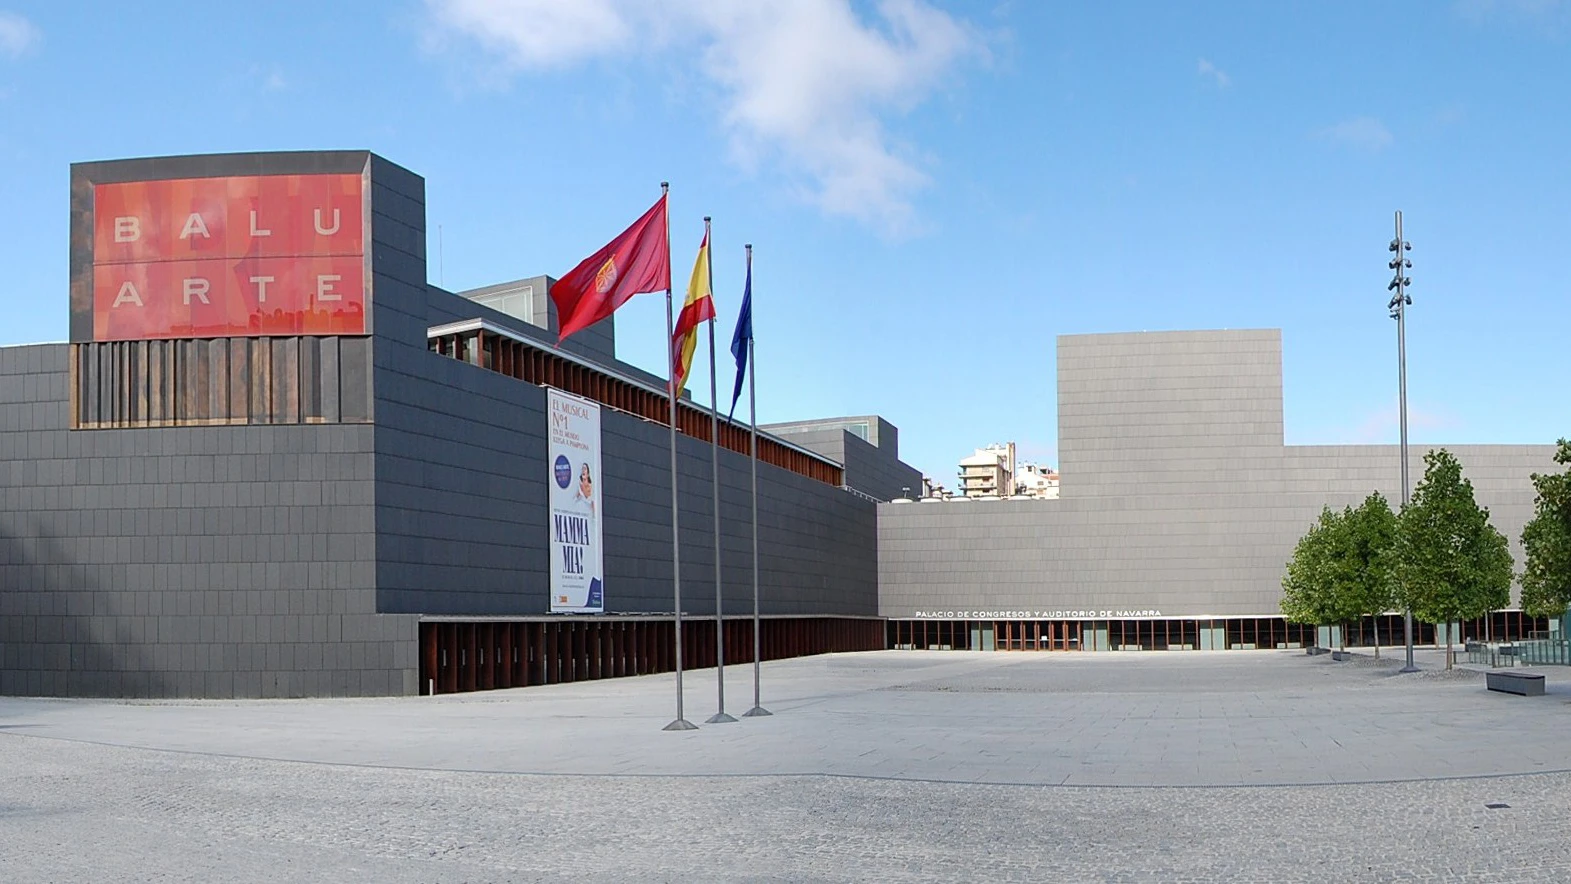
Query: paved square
{"x": 904, "y": 766}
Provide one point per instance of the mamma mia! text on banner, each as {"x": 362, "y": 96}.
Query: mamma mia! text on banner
{"x": 573, "y": 454}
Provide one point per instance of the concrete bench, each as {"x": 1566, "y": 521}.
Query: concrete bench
{"x": 1315, "y": 651}
{"x": 1341, "y": 656}
{"x": 1525, "y": 684}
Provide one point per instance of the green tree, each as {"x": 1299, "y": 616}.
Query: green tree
{"x": 1316, "y": 588}
{"x": 1546, "y": 541}
{"x": 1365, "y": 582}
{"x": 1451, "y": 564}
{"x": 1307, "y": 582}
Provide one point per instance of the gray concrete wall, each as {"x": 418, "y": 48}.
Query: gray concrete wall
{"x": 827, "y": 442}
{"x": 1151, "y": 415}
{"x": 871, "y": 470}
{"x": 880, "y": 433}
{"x": 185, "y": 562}
{"x": 1178, "y": 494}
{"x": 872, "y": 466}
{"x": 461, "y": 472}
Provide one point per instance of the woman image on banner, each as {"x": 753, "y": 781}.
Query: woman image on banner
{"x": 584, "y": 501}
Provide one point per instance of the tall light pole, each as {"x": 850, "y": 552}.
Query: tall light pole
{"x": 1398, "y": 307}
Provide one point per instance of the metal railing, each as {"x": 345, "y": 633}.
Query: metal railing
{"x": 862, "y": 494}
{"x": 1492, "y": 654}
{"x": 1544, "y": 652}
{"x": 1529, "y": 652}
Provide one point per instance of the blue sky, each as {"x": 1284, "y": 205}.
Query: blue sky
{"x": 935, "y": 190}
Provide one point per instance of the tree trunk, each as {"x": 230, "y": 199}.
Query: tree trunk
{"x": 1341, "y": 637}
{"x": 1448, "y": 646}
{"x": 1377, "y": 636}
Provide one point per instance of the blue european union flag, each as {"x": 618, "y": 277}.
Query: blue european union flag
{"x": 742, "y": 339}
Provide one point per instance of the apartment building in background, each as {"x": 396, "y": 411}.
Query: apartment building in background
{"x": 989, "y": 472}
{"x": 1036, "y": 480}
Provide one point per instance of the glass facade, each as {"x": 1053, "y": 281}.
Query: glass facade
{"x": 1202, "y": 634}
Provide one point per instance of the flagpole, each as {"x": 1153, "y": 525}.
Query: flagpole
{"x": 680, "y": 724}
{"x": 719, "y": 717}
{"x": 752, "y": 416}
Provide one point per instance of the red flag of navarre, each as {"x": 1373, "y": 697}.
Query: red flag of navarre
{"x": 636, "y": 262}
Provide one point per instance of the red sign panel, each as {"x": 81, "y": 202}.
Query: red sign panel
{"x": 219, "y": 257}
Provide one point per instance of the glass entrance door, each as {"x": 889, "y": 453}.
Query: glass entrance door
{"x": 982, "y": 638}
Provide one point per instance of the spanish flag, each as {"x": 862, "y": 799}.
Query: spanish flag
{"x": 699, "y": 306}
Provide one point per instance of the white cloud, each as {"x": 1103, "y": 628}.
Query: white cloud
{"x": 1207, "y": 69}
{"x": 1367, "y": 133}
{"x": 17, "y": 35}
{"x": 538, "y": 34}
{"x": 806, "y": 85}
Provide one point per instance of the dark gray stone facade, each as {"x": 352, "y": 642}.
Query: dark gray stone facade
{"x": 295, "y": 560}
{"x": 185, "y": 562}
{"x": 871, "y": 456}
{"x": 465, "y": 447}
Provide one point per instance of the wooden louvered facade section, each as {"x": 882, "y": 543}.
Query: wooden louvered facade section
{"x": 458, "y": 655}
{"x": 488, "y": 347}
{"x": 220, "y": 381}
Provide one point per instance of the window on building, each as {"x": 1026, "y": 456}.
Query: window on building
{"x": 518, "y": 303}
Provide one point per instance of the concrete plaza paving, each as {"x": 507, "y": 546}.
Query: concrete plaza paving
{"x": 894, "y": 765}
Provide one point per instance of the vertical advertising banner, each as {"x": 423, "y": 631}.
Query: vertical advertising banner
{"x": 575, "y": 500}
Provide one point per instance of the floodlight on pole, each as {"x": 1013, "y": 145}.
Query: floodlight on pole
{"x": 1400, "y": 264}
